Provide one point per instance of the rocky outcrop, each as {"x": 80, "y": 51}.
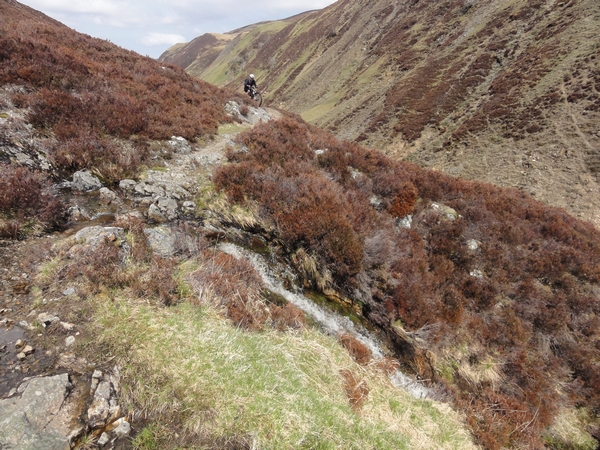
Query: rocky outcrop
{"x": 38, "y": 415}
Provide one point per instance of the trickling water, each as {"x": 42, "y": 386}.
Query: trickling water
{"x": 330, "y": 321}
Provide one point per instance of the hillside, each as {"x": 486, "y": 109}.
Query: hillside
{"x": 498, "y": 91}
{"x": 169, "y": 252}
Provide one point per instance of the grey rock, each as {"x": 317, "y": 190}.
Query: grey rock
{"x": 179, "y": 145}
{"x": 90, "y": 238}
{"x": 404, "y": 222}
{"x": 161, "y": 239}
{"x": 37, "y": 418}
{"x": 103, "y": 439}
{"x": 107, "y": 196}
{"x": 168, "y": 207}
{"x": 127, "y": 185}
{"x": 375, "y": 201}
{"x": 155, "y": 214}
{"x": 472, "y": 244}
{"x": 104, "y": 407}
{"x": 46, "y": 319}
{"x": 445, "y": 211}
{"x": 70, "y": 340}
{"x": 123, "y": 428}
{"x": 85, "y": 181}
{"x": 77, "y": 213}
{"x": 189, "y": 206}
{"x": 67, "y": 326}
{"x": 69, "y": 291}
{"x": 149, "y": 189}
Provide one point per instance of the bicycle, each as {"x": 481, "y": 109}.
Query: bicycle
{"x": 255, "y": 95}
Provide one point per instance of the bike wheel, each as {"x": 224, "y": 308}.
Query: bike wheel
{"x": 258, "y": 98}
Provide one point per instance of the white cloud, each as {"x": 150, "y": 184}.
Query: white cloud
{"x": 153, "y": 39}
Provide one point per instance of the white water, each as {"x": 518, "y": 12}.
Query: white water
{"x": 330, "y": 321}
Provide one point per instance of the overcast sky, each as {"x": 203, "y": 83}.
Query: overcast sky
{"x": 149, "y": 27}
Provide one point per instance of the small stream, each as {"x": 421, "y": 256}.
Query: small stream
{"x": 331, "y": 322}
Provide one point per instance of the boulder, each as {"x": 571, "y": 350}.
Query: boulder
{"x": 179, "y": 145}
{"x": 90, "y": 238}
{"x": 161, "y": 239}
{"x": 37, "y": 417}
{"x": 83, "y": 180}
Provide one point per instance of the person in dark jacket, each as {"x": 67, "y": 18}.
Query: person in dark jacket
{"x": 249, "y": 83}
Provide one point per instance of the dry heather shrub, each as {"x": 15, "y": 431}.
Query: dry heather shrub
{"x": 25, "y": 198}
{"x": 156, "y": 281}
{"x": 287, "y": 317}
{"x": 235, "y": 284}
{"x": 356, "y": 389}
{"x": 238, "y": 289}
{"x": 359, "y": 352}
{"x": 403, "y": 203}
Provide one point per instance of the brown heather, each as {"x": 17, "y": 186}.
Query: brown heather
{"x": 87, "y": 92}
{"x": 538, "y": 270}
{"x": 26, "y": 201}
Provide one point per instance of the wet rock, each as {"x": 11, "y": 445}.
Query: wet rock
{"x": 83, "y": 180}
{"x": 161, "y": 240}
{"x": 107, "y": 196}
{"x": 77, "y": 214}
{"x": 37, "y": 417}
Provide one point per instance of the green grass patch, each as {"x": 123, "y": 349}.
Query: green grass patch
{"x": 279, "y": 390}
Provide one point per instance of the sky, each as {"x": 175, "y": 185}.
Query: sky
{"x": 149, "y": 27}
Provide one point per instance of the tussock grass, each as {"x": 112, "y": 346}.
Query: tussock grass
{"x": 188, "y": 366}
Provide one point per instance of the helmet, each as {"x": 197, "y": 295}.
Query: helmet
{"x": 251, "y": 75}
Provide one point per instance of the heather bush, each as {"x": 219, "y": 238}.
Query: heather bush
{"x": 238, "y": 288}
{"x": 88, "y": 92}
{"x": 26, "y": 202}
{"x": 504, "y": 272}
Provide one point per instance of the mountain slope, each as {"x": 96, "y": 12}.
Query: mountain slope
{"x": 488, "y": 295}
{"x": 499, "y": 91}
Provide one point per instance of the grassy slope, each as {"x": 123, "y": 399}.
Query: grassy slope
{"x": 276, "y": 389}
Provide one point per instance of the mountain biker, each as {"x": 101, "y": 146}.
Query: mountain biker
{"x": 249, "y": 83}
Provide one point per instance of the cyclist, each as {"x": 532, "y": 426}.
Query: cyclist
{"x": 249, "y": 83}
